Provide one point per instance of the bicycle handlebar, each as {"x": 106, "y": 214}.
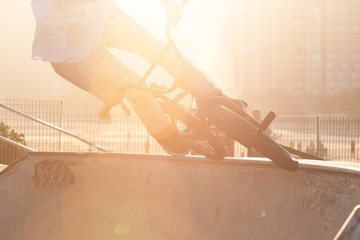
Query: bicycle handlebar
{"x": 171, "y": 44}
{"x": 173, "y": 11}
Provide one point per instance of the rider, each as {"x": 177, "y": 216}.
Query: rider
{"x": 73, "y": 35}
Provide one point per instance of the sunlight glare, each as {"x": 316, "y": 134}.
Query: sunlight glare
{"x": 204, "y": 20}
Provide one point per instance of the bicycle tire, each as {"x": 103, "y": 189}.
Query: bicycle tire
{"x": 215, "y": 150}
{"x": 223, "y": 113}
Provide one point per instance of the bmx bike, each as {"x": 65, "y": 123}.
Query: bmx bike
{"x": 213, "y": 111}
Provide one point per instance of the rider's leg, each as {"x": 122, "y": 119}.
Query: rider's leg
{"x": 125, "y": 33}
{"x": 102, "y": 75}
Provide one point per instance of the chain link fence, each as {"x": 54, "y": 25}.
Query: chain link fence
{"x": 330, "y": 137}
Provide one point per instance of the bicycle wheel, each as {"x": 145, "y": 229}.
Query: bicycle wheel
{"x": 225, "y": 115}
{"x": 210, "y": 146}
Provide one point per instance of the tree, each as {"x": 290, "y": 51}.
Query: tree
{"x": 12, "y": 134}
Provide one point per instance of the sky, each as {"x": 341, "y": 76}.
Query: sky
{"x": 201, "y": 36}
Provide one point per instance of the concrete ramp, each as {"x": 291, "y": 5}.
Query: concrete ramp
{"x": 57, "y": 196}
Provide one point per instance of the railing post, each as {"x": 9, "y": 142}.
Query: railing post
{"x": 147, "y": 143}
{"x": 317, "y": 135}
{"x": 60, "y": 123}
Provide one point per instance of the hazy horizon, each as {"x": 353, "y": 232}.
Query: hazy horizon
{"x": 245, "y": 47}
{"x": 23, "y": 78}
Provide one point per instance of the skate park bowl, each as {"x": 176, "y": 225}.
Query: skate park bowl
{"x": 55, "y": 196}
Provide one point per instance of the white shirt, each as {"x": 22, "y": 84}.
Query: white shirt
{"x": 67, "y": 30}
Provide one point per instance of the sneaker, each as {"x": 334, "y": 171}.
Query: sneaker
{"x": 199, "y": 145}
{"x": 171, "y": 141}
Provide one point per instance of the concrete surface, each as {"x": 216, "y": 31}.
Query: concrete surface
{"x": 55, "y": 196}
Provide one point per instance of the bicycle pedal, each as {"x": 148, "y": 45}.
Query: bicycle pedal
{"x": 267, "y": 121}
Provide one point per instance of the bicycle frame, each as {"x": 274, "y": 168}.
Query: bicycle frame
{"x": 160, "y": 93}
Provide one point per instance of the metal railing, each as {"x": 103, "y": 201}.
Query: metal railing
{"x": 24, "y": 125}
{"x": 330, "y": 137}
{"x": 10, "y": 150}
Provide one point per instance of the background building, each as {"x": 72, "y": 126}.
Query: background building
{"x": 299, "y": 46}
